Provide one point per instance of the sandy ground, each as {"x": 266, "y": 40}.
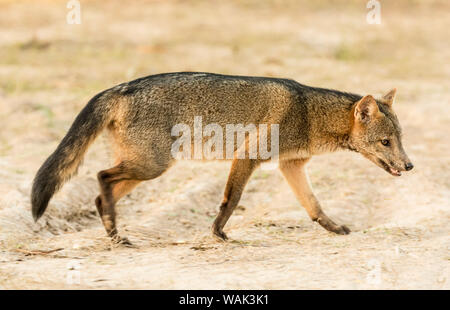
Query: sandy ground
{"x": 49, "y": 70}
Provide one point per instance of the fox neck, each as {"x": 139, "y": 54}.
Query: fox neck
{"x": 331, "y": 130}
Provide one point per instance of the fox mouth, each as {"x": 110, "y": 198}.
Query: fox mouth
{"x": 389, "y": 169}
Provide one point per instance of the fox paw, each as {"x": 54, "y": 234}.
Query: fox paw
{"x": 341, "y": 230}
{"x": 220, "y": 235}
{"x": 333, "y": 227}
{"x": 123, "y": 241}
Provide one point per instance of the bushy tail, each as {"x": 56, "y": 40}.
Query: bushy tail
{"x": 64, "y": 161}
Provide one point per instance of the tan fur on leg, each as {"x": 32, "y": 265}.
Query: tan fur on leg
{"x": 295, "y": 174}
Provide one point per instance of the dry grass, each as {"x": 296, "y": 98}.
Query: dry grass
{"x": 48, "y": 71}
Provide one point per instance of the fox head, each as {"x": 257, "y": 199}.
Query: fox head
{"x": 376, "y": 133}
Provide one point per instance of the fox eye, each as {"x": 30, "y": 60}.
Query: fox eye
{"x": 385, "y": 142}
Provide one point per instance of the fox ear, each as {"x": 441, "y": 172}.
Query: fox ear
{"x": 366, "y": 109}
{"x": 389, "y": 97}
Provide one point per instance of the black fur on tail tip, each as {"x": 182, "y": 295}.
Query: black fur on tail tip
{"x": 41, "y": 194}
{"x": 38, "y": 211}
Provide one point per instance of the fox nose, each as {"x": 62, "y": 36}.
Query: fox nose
{"x": 409, "y": 166}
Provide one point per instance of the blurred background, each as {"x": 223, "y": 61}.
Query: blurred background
{"x": 49, "y": 69}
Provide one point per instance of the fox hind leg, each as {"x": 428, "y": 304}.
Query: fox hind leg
{"x": 115, "y": 183}
{"x": 106, "y": 206}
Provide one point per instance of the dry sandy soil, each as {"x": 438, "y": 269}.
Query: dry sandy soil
{"x": 400, "y": 226}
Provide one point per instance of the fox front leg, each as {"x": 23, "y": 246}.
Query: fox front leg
{"x": 295, "y": 174}
{"x": 241, "y": 170}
